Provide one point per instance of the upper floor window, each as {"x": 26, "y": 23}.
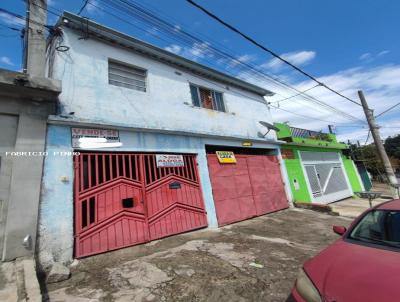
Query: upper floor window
{"x": 206, "y": 98}
{"x": 127, "y": 76}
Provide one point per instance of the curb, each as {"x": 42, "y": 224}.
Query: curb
{"x": 27, "y": 283}
{"x": 322, "y": 208}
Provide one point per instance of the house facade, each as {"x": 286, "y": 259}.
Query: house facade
{"x": 317, "y": 168}
{"x": 148, "y": 144}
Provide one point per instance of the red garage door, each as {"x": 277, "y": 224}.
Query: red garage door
{"x": 251, "y": 187}
{"x": 125, "y": 199}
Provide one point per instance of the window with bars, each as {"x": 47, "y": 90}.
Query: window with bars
{"x": 206, "y": 98}
{"x": 128, "y": 76}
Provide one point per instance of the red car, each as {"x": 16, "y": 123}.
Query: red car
{"x": 363, "y": 265}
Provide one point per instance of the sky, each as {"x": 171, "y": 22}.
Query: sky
{"x": 347, "y": 45}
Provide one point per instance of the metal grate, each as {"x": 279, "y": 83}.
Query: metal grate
{"x": 98, "y": 168}
{"x": 314, "y": 181}
{"x": 206, "y": 98}
{"x": 309, "y": 156}
{"x": 126, "y": 76}
{"x": 154, "y": 173}
{"x": 337, "y": 181}
{"x": 298, "y": 132}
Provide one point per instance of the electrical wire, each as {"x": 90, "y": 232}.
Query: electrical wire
{"x": 300, "y": 93}
{"x": 369, "y": 132}
{"x": 83, "y": 6}
{"x": 302, "y": 115}
{"x": 268, "y": 50}
{"x": 10, "y": 27}
{"x": 126, "y": 8}
{"x": 145, "y": 16}
{"x": 12, "y": 14}
{"x": 387, "y": 110}
{"x": 129, "y": 8}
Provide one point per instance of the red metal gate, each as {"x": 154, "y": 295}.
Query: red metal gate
{"x": 251, "y": 187}
{"x": 125, "y": 199}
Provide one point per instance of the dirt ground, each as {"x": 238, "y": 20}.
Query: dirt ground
{"x": 254, "y": 260}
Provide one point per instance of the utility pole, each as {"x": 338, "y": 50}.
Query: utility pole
{"x": 35, "y": 52}
{"x": 378, "y": 143}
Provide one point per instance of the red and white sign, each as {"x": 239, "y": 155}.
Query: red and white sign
{"x": 169, "y": 160}
{"x": 111, "y": 136}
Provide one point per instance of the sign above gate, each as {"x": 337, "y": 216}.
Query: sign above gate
{"x": 85, "y": 137}
{"x": 226, "y": 157}
{"x": 169, "y": 160}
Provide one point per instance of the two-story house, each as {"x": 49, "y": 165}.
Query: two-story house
{"x": 166, "y": 145}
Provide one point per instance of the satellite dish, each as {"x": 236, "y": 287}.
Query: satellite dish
{"x": 269, "y": 127}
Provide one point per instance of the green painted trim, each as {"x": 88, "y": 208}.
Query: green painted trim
{"x": 318, "y": 143}
{"x": 295, "y": 172}
{"x": 352, "y": 174}
{"x": 284, "y": 130}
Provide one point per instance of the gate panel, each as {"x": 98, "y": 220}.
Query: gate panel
{"x": 109, "y": 209}
{"x": 124, "y": 199}
{"x": 173, "y": 197}
{"x": 251, "y": 187}
{"x": 324, "y": 171}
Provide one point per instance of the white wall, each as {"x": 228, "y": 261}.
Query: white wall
{"x": 84, "y": 74}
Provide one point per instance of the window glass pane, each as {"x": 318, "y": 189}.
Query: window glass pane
{"x": 195, "y": 96}
{"x": 219, "y": 102}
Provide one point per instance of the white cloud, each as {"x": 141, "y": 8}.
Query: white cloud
{"x": 382, "y": 53}
{"x": 298, "y": 58}
{"x": 11, "y": 20}
{"x": 246, "y": 58}
{"x": 365, "y": 56}
{"x": 381, "y": 88}
{"x": 369, "y": 57}
{"x": 196, "y": 52}
{"x": 176, "y": 49}
{"x": 380, "y": 85}
{"x": 6, "y": 61}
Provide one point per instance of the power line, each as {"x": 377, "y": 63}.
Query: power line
{"x": 15, "y": 15}
{"x": 83, "y": 6}
{"x": 146, "y": 16}
{"x": 268, "y": 50}
{"x": 369, "y": 132}
{"x": 302, "y": 92}
{"x": 127, "y": 7}
{"x": 10, "y": 27}
{"x": 387, "y": 110}
{"x": 301, "y": 115}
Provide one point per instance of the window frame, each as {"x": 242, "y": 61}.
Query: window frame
{"x": 213, "y": 92}
{"x": 128, "y": 65}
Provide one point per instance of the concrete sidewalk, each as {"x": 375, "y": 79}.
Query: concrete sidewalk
{"x": 253, "y": 260}
{"x": 353, "y": 207}
{"x": 18, "y": 281}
